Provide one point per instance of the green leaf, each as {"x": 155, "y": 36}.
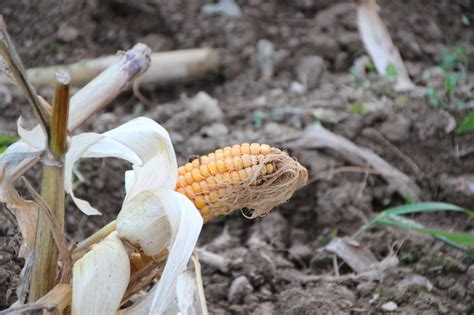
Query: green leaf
{"x": 451, "y": 81}
{"x": 467, "y": 124}
{"x": 462, "y": 239}
{"x": 422, "y": 207}
{"x": 5, "y": 141}
{"x": 392, "y": 217}
{"x": 391, "y": 71}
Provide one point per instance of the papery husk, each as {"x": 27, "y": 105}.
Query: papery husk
{"x": 100, "y": 278}
{"x": 143, "y": 223}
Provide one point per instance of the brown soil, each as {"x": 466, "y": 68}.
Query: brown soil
{"x": 274, "y": 259}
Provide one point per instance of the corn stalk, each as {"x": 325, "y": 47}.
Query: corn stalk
{"x": 52, "y": 191}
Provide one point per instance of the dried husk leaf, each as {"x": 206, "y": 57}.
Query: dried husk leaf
{"x": 185, "y": 222}
{"x": 100, "y": 278}
{"x": 142, "y": 142}
{"x": 143, "y": 222}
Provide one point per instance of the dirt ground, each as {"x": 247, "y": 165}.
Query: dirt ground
{"x": 277, "y": 265}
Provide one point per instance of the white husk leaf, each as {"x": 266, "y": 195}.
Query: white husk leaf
{"x": 14, "y": 162}
{"x": 185, "y": 222}
{"x": 141, "y": 141}
{"x": 186, "y": 293}
{"x": 379, "y": 44}
{"x": 100, "y": 278}
{"x": 143, "y": 221}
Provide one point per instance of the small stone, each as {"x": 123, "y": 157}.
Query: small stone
{"x": 389, "y": 306}
{"x": 309, "y": 71}
{"x": 67, "y": 33}
{"x": 205, "y": 108}
{"x": 396, "y": 128}
{"x": 239, "y": 288}
{"x": 215, "y": 130}
{"x": 365, "y": 289}
{"x": 297, "y": 88}
{"x": 301, "y": 252}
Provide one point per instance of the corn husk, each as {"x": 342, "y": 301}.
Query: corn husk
{"x": 142, "y": 142}
{"x": 100, "y": 278}
{"x": 143, "y": 222}
{"x": 185, "y": 222}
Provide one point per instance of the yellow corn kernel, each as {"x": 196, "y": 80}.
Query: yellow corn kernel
{"x": 238, "y": 163}
{"x": 255, "y": 148}
{"x": 235, "y": 176}
{"x": 227, "y": 176}
{"x": 270, "y": 168}
{"x": 189, "y": 178}
{"x": 195, "y": 163}
{"x": 188, "y": 191}
{"x": 205, "y": 211}
{"x": 200, "y": 202}
{"x": 229, "y": 164}
{"x": 204, "y": 170}
{"x": 204, "y": 187}
{"x": 221, "y": 166}
{"x": 188, "y": 167}
{"x": 243, "y": 174}
{"x": 181, "y": 181}
{"x": 211, "y": 183}
{"x": 196, "y": 188}
{"x": 245, "y": 148}
{"x": 197, "y": 175}
{"x": 212, "y": 168}
{"x": 213, "y": 196}
{"x": 227, "y": 152}
{"x": 219, "y": 178}
{"x": 219, "y": 155}
{"x": 204, "y": 160}
{"x": 265, "y": 149}
{"x": 181, "y": 170}
{"x": 236, "y": 150}
{"x": 246, "y": 160}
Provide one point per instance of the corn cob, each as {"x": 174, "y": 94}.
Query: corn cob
{"x": 237, "y": 177}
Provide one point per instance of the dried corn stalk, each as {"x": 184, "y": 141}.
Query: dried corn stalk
{"x": 379, "y": 44}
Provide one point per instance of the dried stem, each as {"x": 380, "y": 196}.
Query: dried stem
{"x": 58, "y": 140}
{"x": 58, "y": 235}
{"x": 11, "y": 58}
{"x": 199, "y": 284}
{"x": 52, "y": 192}
{"x": 106, "y": 86}
{"x": 60, "y": 295}
{"x": 143, "y": 276}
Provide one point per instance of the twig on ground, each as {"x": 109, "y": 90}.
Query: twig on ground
{"x": 199, "y": 284}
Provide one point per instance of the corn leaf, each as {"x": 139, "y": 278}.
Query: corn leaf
{"x": 393, "y": 217}
{"x": 422, "y": 207}
{"x": 467, "y": 124}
